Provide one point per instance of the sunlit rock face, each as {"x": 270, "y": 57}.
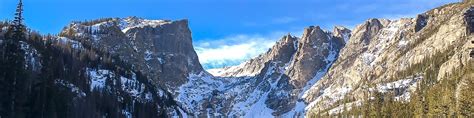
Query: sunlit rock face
{"x": 160, "y": 49}
{"x": 299, "y": 75}
{"x": 382, "y": 55}
{"x": 272, "y": 83}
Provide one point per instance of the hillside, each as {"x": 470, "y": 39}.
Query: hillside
{"x": 136, "y": 67}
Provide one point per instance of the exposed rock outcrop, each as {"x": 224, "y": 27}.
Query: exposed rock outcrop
{"x": 318, "y": 72}
{"x": 383, "y": 51}
{"x": 160, "y": 49}
{"x": 274, "y": 81}
{"x": 315, "y": 50}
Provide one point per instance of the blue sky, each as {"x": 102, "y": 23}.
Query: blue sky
{"x": 225, "y": 32}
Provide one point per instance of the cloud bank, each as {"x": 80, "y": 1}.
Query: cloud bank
{"x": 235, "y": 49}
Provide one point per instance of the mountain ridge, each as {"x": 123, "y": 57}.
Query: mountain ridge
{"x": 135, "y": 67}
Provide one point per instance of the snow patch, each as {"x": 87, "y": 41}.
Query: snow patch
{"x": 183, "y": 114}
{"x": 74, "y": 88}
{"x": 295, "y": 44}
{"x": 346, "y": 37}
{"x": 31, "y": 56}
{"x": 216, "y": 72}
{"x": 127, "y": 113}
{"x": 98, "y": 77}
{"x": 132, "y": 86}
{"x": 161, "y": 60}
{"x": 259, "y": 109}
{"x": 368, "y": 58}
{"x": 132, "y": 22}
{"x": 331, "y": 95}
{"x": 198, "y": 88}
{"x": 403, "y": 43}
{"x": 66, "y": 41}
{"x": 148, "y": 55}
{"x": 253, "y": 106}
{"x": 235, "y": 71}
{"x": 4, "y": 28}
{"x": 402, "y": 87}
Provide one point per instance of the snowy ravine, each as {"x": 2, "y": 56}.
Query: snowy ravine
{"x": 260, "y": 87}
{"x": 297, "y": 77}
{"x": 324, "y": 94}
{"x": 150, "y": 46}
{"x": 271, "y": 84}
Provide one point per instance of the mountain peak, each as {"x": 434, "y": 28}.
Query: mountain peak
{"x": 128, "y": 23}
{"x": 161, "y": 49}
{"x": 342, "y": 33}
{"x": 313, "y": 28}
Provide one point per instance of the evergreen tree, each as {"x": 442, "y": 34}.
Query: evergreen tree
{"x": 466, "y": 98}
{"x": 12, "y": 72}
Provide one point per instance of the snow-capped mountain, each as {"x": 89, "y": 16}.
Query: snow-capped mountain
{"x": 67, "y": 78}
{"x": 396, "y": 56}
{"x": 160, "y": 49}
{"x": 323, "y": 72}
{"x": 270, "y": 84}
{"x": 135, "y": 67}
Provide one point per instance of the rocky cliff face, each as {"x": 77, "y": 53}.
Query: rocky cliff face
{"x": 316, "y": 50}
{"x": 272, "y": 83}
{"x": 384, "y": 55}
{"x": 322, "y": 72}
{"x": 319, "y": 72}
{"x": 68, "y": 78}
{"x": 160, "y": 49}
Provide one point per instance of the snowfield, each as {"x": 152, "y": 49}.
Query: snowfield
{"x": 129, "y": 23}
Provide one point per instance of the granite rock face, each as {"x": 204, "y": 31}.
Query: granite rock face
{"x": 274, "y": 81}
{"x": 298, "y": 75}
{"x": 378, "y": 55}
{"x": 160, "y": 49}
{"x": 387, "y": 53}
{"x": 75, "y": 78}
{"x": 316, "y": 49}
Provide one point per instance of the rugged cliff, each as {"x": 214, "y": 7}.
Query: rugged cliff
{"x": 160, "y": 49}
{"x": 60, "y": 77}
{"x": 400, "y": 58}
{"x": 385, "y": 64}
{"x": 272, "y": 83}
{"x": 124, "y": 67}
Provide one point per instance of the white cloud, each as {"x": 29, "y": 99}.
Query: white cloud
{"x": 233, "y": 50}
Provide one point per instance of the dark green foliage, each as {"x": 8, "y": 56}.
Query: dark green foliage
{"x": 44, "y": 97}
{"x": 12, "y": 73}
{"x": 29, "y": 93}
{"x": 449, "y": 97}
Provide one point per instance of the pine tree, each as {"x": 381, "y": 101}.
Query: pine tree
{"x": 387, "y": 104}
{"x": 12, "y": 72}
{"x": 466, "y": 98}
{"x": 18, "y": 27}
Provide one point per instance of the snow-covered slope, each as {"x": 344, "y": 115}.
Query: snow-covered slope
{"x": 69, "y": 78}
{"x": 161, "y": 49}
{"x": 268, "y": 85}
{"x": 129, "y": 23}
{"x": 322, "y": 69}
{"x": 297, "y": 77}
{"x": 384, "y": 55}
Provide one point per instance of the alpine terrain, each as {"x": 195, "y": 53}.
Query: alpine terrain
{"x": 135, "y": 67}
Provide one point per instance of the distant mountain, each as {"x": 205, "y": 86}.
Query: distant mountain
{"x": 399, "y": 65}
{"x": 381, "y": 68}
{"x": 134, "y": 67}
{"x": 160, "y": 49}
{"x": 75, "y": 76}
